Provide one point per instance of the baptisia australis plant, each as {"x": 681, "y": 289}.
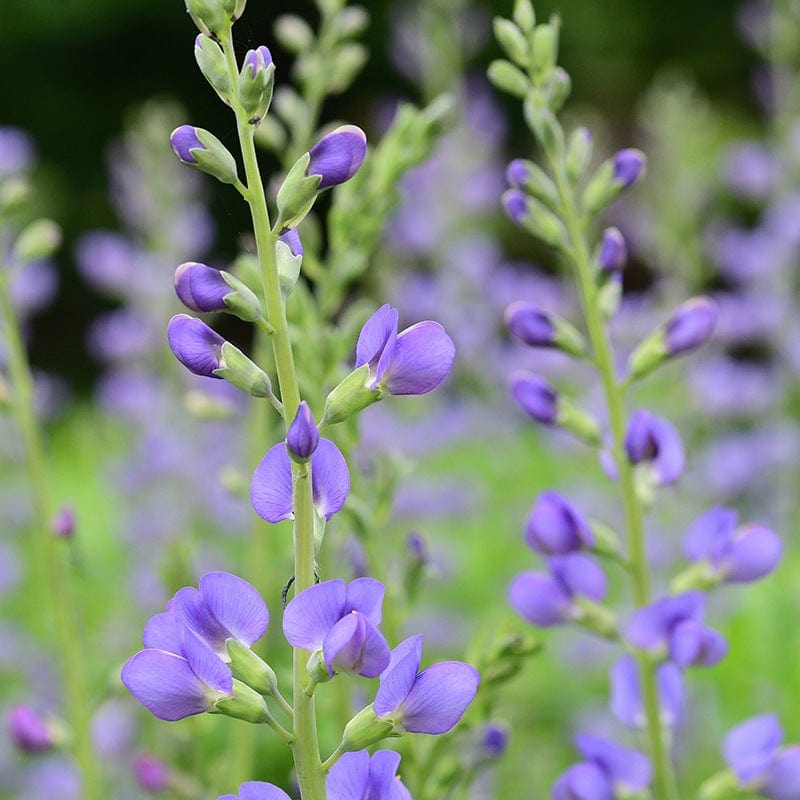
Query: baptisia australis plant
{"x": 198, "y": 655}
{"x": 663, "y": 636}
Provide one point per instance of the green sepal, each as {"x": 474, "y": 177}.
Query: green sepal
{"x": 349, "y": 397}
{"x": 245, "y": 704}
{"x": 213, "y": 158}
{"x": 567, "y": 338}
{"x": 524, "y": 15}
{"x": 238, "y": 369}
{"x": 317, "y": 671}
{"x": 512, "y": 40}
{"x": 365, "y": 729}
{"x": 211, "y": 61}
{"x": 210, "y": 16}
{"x": 508, "y": 78}
{"x": 579, "y": 153}
{"x": 538, "y": 184}
{"x": 242, "y": 301}
{"x": 648, "y": 355}
{"x": 250, "y": 669}
{"x": 609, "y": 296}
{"x": 578, "y": 422}
{"x": 255, "y": 91}
{"x": 645, "y": 483}
{"x": 288, "y": 267}
{"x": 700, "y": 575}
{"x": 595, "y": 618}
{"x": 544, "y": 224}
{"x": 297, "y": 194}
{"x": 39, "y": 239}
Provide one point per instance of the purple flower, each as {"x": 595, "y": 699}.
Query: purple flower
{"x": 751, "y": 170}
{"x": 530, "y": 324}
{"x": 29, "y": 731}
{"x": 183, "y": 140}
{"x": 151, "y": 773}
{"x": 201, "y": 288}
{"x": 535, "y": 396}
{"x": 414, "y": 361}
{"x": 257, "y": 59}
{"x": 16, "y": 151}
{"x": 271, "y": 485}
{"x": 341, "y": 620}
{"x": 517, "y": 173}
{"x": 655, "y": 441}
{"x": 337, "y": 156}
{"x": 734, "y": 554}
{"x": 673, "y": 625}
{"x": 626, "y": 693}
{"x": 291, "y": 238}
{"x": 195, "y": 345}
{"x": 359, "y": 776}
{"x": 628, "y": 166}
{"x": 493, "y": 740}
{"x": 752, "y": 750}
{"x": 302, "y": 437}
{"x": 431, "y": 701}
{"x": 690, "y": 325}
{"x": 63, "y": 523}
{"x": 613, "y": 252}
{"x": 546, "y": 600}
{"x": 257, "y": 790}
{"x": 515, "y": 204}
{"x": 609, "y": 771}
{"x": 556, "y": 527}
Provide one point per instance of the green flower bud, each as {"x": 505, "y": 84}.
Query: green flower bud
{"x": 293, "y": 33}
{"x": 211, "y": 17}
{"x": 595, "y": 618}
{"x": 256, "y": 81}
{"x": 250, "y": 669}
{"x": 545, "y": 46}
{"x": 648, "y": 355}
{"x": 557, "y": 90}
{"x": 242, "y": 301}
{"x": 297, "y": 194}
{"x": 544, "y": 124}
{"x": 245, "y": 704}
{"x": 508, "y": 78}
{"x": 38, "y": 240}
{"x": 14, "y": 193}
{"x": 578, "y": 422}
{"x": 365, "y": 729}
{"x": 236, "y": 368}
{"x": 349, "y": 397}
{"x": 579, "y": 153}
{"x": 524, "y": 15}
{"x": 211, "y": 60}
{"x": 512, "y": 40}
{"x": 288, "y": 265}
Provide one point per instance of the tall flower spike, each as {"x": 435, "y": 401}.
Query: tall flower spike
{"x": 271, "y": 485}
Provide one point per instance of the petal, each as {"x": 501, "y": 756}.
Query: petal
{"x": 349, "y": 777}
{"x": 783, "y": 778}
{"x": 162, "y": 633}
{"x": 556, "y": 527}
{"x": 208, "y": 667}
{"x": 751, "y": 746}
{"x": 312, "y": 613}
{"x": 192, "y": 613}
{"x": 376, "y": 654}
{"x": 579, "y": 575}
{"x": 691, "y": 643}
{"x": 374, "y": 336}
{"x": 755, "y": 551}
{"x": 236, "y": 604}
{"x": 330, "y": 478}
{"x": 271, "y": 486}
{"x": 628, "y": 768}
{"x": 165, "y": 684}
{"x": 626, "y": 699}
{"x": 439, "y": 697}
{"x": 710, "y": 534}
{"x": 411, "y": 645}
{"x": 423, "y": 358}
{"x": 338, "y": 155}
{"x": 258, "y": 790}
{"x": 650, "y": 627}
{"x": 382, "y": 772}
{"x": 539, "y": 599}
{"x": 201, "y": 288}
{"x": 670, "y": 459}
{"x": 195, "y": 345}
{"x": 366, "y": 595}
{"x": 583, "y": 781}
{"x": 343, "y": 647}
{"x": 398, "y": 678}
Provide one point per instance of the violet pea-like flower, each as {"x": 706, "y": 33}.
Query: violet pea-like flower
{"x": 414, "y": 361}
{"x": 754, "y": 754}
{"x": 359, "y": 776}
{"x": 690, "y": 325}
{"x": 257, "y": 790}
{"x": 546, "y": 600}
{"x": 28, "y": 729}
{"x": 337, "y": 156}
{"x": 536, "y": 396}
{"x": 201, "y": 288}
{"x": 673, "y": 626}
{"x": 197, "y": 346}
{"x": 609, "y": 771}
{"x": 556, "y": 527}
{"x": 733, "y": 553}
{"x": 341, "y": 621}
{"x": 626, "y": 693}
{"x": 431, "y": 701}
{"x": 271, "y": 485}
{"x": 655, "y": 441}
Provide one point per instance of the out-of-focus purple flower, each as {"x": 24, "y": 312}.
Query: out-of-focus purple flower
{"x": 414, "y": 361}
{"x": 121, "y": 336}
{"x": 735, "y": 554}
{"x": 629, "y": 165}
{"x": 302, "y": 437}
{"x": 673, "y": 626}
{"x": 530, "y": 324}
{"x": 609, "y": 771}
{"x": 17, "y": 153}
{"x": 271, "y": 485}
{"x": 536, "y": 396}
{"x": 753, "y": 752}
{"x": 107, "y": 260}
{"x": 655, "y": 441}
{"x": 626, "y": 693}
{"x": 114, "y": 729}
{"x": 338, "y": 155}
{"x": 195, "y": 345}
{"x": 201, "y": 288}
{"x": 556, "y": 527}
{"x": 150, "y": 773}
{"x": 359, "y": 776}
{"x": 257, "y": 790}
{"x": 183, "y": 140}
{"x": 690, "y": 325}
{"x": 751, "y": 170}
{"x": 33, "y": 287}
{"x": 613, "y": 251}
{"x": 28, "y": 729}
{"x": 291, "y": 238}
{"x": 53, "y": 777}
{"x": 431, "y": 701}
{"x": 517, "y": 173}
{"x": 63, "y": 524}
{"x": 341, "y": 620}
{"x": 515, "y": 204}
{"x": 547, "y": 600}
{"x": 493, "y": 740}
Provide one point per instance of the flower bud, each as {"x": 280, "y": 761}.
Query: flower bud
{"x": 556, "y": 527}
{"x": 245, "y": 704}
{"x": 302, "y": 437}
{"x": 364, "y": 729}
{"x": 337, "y": 156}
{"x": 256, "y": 81}
{"x": 540, "y": 329}
{"x": 536, "y": 397}
{"x": 291, "y": 238}
{"x": 629, "y": 165}
{"x": 38, "y": 240}
{"x": 690, "y": 325}
{"x": 29, "y": 731}
{"x": 535, "y": 217}
{"x": 200, "y": 149}
{"x": 350, "y": 396}
{"x": 211, "y": 60}
{"x": 151, "y": 773}
{"x": 524, "y": 174}
{"x": 203, "y": 288}
{"x": 579, "y": 153}
{"x": 545, "y": 46}
{"x": 615, "y": 175}
{"x": 63, "y": 524}
{"x": 613, "y": 252}
{"x": 250, "y": 669}
{"x": 512, "y": 40}
{"x": 508, "y": 78}
{"x": 654, "y": 441}
{"x": 524, "y": 15}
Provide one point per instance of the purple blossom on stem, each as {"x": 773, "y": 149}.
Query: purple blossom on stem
{"x": 613, "y": 251}
{"x": 302, "y": 437}
{"x": 414, "y": 361}
{"x": 359, "y": 776}
{"x": 64, "y": 522}
{"x": 257, "y": 790}
{"x": 201, "y": 288}
{"x": 734, "y": 554}
{"x": 341, "y": 620}
{"x": 151, "y": 773}
{"x": 530, "y": 324}
{"x": 556, "y": 527}
{"x": 291, "y": 238}
{"x": 183, "y": 140}
{"x": 337, "y": 156}
{"x": 28, "y": 729}
{"x": 195, "y": 345}
{"x": 431, "y": 701}
{"x": 271, "y": 485}
{"x": 629, "y": 165}
{"x": 258, "y": 59}
{"x": 536, "y": 396}
{"x": 515, "y": 204}
{"x": 626, "y": 694}
{"x": 690, "y": 325}
{"x": 655, "y": 441}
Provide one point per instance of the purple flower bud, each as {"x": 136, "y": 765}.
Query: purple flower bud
{"x": 418, "y": 548}
{"x": 63, "y": 524}
{"x": 654, "y": 440}
{"x": 556, "y": 527}
{"x": 291, "y": 238}
{"x": 494, "y": 740}
{"x": 517, "y": 173}
{"x": 628, "y": 166}
{"x": 28, "y": 730}
{"x": 515, "y": 204}
{"x": 258, "y": 59}
{"x": 302, "y": 437}
{"x": 535, "y": 396}
{"x": 530, "y": 324}
{"x": 201, "y": 288}
{"x": 183, "y": 140}
{"x": 151, "y": 773}
{"x": 690, "y": 325}
{"x": 338, "y": 156}
{"x": 195, "y": 345}
{"x": 613, "y": 251}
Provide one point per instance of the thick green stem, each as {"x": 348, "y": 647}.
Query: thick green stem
{"x": 663, "y": 775}
{"x": 49, "y": 555}
{"x": 310, "y": 775}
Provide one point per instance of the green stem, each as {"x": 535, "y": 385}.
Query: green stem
{"x": 310, "y": 775}
{"x": 54, "y": 583}
{"x": 663, "y": 776}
